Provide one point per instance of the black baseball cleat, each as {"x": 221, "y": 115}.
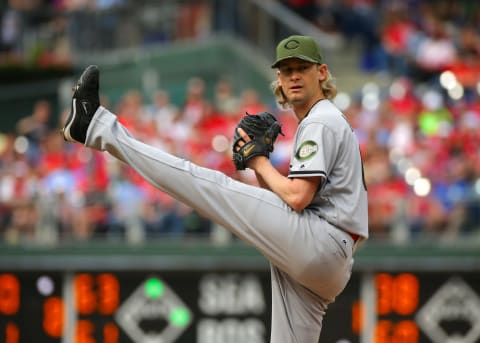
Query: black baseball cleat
{"x": 85, "y": 102}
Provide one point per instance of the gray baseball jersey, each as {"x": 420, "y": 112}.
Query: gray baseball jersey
{"x": 325, "y": 145}
{"x": 310, "y": 258}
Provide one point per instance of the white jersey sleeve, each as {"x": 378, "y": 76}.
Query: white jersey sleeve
{"x": 313, "y": 153}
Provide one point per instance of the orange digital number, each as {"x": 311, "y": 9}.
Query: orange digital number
{"x": 12, "y": 333}
{"x": 53, "y": 314}
{"x": 100, "y": 293}
{"x": 405, "y": 331}
{"x": 84, "y": 332}
{"x": 108, "y": 293}
{"x": 110, "y": 333}
{"x": 406, "y": 293}
{"x": 85, "y": 298}
{"x": 383, "y": 283}
{"x": 399, "y": 294}
{"x": 9, "y": 294}
{"x": 383, "y": 330}
{"x": 357, "y": 317}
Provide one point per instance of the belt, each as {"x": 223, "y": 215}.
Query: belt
{"x": 354, "y": 236}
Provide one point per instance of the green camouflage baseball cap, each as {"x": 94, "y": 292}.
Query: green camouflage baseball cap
{"x": 303, "y": 47}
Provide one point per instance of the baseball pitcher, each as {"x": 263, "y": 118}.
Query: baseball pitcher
{"x": 307, "y": 224}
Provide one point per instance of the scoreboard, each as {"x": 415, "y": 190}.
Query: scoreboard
{"x": 114, "y": 307}
{"x": 228, "y": 306}
{"x": 406, "y": 307}
{"x": 166, "y": 298}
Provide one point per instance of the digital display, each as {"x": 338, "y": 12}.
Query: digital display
{"x": 105, "y": 307}
{"x": 227, "y": 306}
{"x": 408, "y": 308}
{"x": 430, "y": 307}
{"x": 31, "y": 307}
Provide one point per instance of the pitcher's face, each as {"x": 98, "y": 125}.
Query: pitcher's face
{"x": 300, "y": 81}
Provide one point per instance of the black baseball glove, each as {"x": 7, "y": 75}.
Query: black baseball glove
{"x": 263, "y": 129}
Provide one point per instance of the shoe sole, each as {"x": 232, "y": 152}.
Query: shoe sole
{"x": 70, "y": 120}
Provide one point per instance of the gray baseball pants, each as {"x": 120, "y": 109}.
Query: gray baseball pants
{"x": 310, "y": 259}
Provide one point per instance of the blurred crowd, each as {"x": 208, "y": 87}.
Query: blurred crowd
{"x": 53, "y": 32}
{"x": 419, "y": 132}
{"x": 414, "y": 38}
{"x": 54, "y": 190}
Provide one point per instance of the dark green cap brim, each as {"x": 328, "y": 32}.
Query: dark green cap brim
{"x": 301, "y": 57}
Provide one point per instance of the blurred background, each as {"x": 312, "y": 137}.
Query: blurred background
{"x": 179, "y": 74}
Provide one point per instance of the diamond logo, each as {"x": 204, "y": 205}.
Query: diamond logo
{"x": 153, "y": 313}
{"x": 451, "y": 314}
